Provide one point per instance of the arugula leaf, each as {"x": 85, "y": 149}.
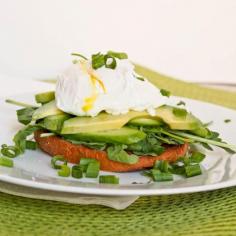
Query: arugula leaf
{"x": 212, "y": 140}
{"x": 149, "y": 146}
{"x": 94, "y": 145}
{"x": 117, "y": 153}
{"x": 24, "y": 115}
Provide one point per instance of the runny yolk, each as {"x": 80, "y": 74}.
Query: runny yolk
{"x": 89, "y": 101}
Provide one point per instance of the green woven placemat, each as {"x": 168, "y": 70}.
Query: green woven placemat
{"x": 209, "y": 213}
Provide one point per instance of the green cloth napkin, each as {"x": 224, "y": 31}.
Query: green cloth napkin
{"x": 208, "y": 213}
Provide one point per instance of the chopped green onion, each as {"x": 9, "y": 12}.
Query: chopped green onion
{"x": 181, "y": 103}
{"x": 57, "y": 159}
{"x": 10, "y": 151}
{"x": 64, "y": 171}
{"x": 208, "y": 124}
{"x": 108, "y": 179}
{"x": 110, "y": 62}
{"x": 185, "y": 160}
{"x": 20, "y": 104}
{"x": 93, "y": 169}
{"x": 119, "y": 55}
{"x": 197, "y": 157}
{"x": 86, "y": 161}
{"x": 161, "y": 165}
{"x": 180, "y": 112}
{"x": 77, "y": 172}
{"x": 97, "y": 60}
{"x": 140, "y": 78}
{"x": 83, "y": 168}
{"x": 159, "y": 176}
{"x": 165, "y": 93}
{"x": 6, "y": 162}
{"x": 79, "y": 55}
{"x": 193, "y": 170}
{"x": 178, "y": 170}
{"x": 227, "y": 120}
{"x": 31, "y": 145}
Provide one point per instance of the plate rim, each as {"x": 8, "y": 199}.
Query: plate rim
{"x": 120, "y": 191}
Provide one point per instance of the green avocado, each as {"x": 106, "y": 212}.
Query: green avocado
{"x": 55, "y": 122}
{"x": 123, "y": 135}
{"x": 145, "y": 121}
{"x": 103, "y": 121}
{"x": 45, "y": 110}
{"x": 177, "y": 122}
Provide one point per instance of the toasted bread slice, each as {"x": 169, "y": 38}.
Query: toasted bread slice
{"x": 55, "y": 145}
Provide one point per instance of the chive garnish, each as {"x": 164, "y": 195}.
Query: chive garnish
{"x": 79, "y": 55}
{"x": 58, "y": 159}
{"x": 110, "y": 62}
{"x": 20, "y": 104}
{"x": 193, "y": 170}
{"x": 77, "y": 172}
{"x": 31, "y": 145}
{"x": 165, "y": 93}
{"x": 6, "y": 162}
{"x": 93, "y": 169}
{"x": 159, "y": 176}
{"x": 86, "y": 161}
{"x": 119, "y": 55}
{"x": 108, "y": 179}
{"x": 64, "y": 171}
{"x": 181, "y": 103}
{"x": 197, "y": 157}
{"x": 97, "y": 60}
{"x": 140, "y": 78}
{"x": 179, "y": 112}
{"x": 9, "y": 151}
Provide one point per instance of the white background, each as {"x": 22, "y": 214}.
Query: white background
{"x": 194, "y": 40}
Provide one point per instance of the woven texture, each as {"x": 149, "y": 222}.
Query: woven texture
{"x": 209, "y": 213}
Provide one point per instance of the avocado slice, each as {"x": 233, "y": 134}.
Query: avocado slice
{"x": 45, "y": 97}
{"x": 187, "y": 122}
{"x": 55, "y": 122}
{"x": 101, "y": 122}
{"x": 45, "y": 110}
{"x": 145, "y": 121}
{"x": 123, "y": 135}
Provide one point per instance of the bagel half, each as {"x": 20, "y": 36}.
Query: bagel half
{"x": 55, "y": 145}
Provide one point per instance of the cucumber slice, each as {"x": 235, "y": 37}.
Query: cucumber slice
{"x": 45, "y": 97}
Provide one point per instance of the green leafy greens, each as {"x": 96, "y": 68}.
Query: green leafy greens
{"x": 118, "y": 153}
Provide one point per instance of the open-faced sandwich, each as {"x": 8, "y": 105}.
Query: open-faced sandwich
{"x": 105, "y": 116}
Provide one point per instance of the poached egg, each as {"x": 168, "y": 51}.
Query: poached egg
{"x": 83, "y": 91}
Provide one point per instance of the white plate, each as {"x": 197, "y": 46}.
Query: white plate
{"x": 33, "y": 168}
